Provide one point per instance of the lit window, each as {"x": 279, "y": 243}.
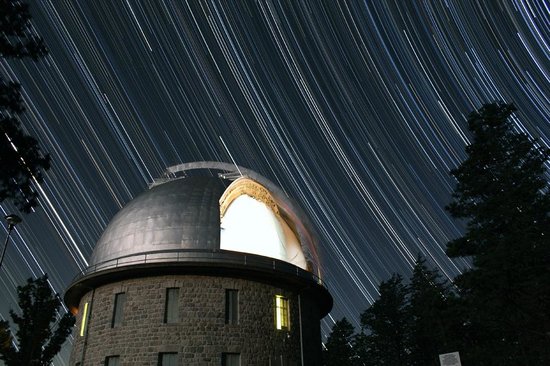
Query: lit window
{"x": 231, "y": 359}
{"x": 282, "y": 319}
{"x": 231, "y": 306}
{"x": 84, "y": 320}
{"x": 118, "y": 309}
{"x": 171, "y": 305}
{"x": 167, "y": 359}
{"x": 112, "y": 361}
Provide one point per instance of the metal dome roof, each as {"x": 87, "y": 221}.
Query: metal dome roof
{"x": 180, "y": 217}
{"x": 179, "y": 214}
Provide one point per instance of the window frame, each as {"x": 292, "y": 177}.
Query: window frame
{"x": 171, "y": 307}
{"x": 162, "y": 354}
{"x": 118, "y": 309}
{"x": 225, "y": 356}
{"x": 232, "y": 306}
{"x": 84, "y": 320}
{"x": 282, "y": 313}
{"x": 108, "y": 359}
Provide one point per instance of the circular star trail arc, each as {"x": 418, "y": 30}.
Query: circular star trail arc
{"x": 356, "y": 109}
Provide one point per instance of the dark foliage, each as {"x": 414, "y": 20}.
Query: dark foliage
{"x": 16, "y": 39}
{"x": 431, "y": 318}
{"x": 339, "y": 350}
{"x": 407, "y": 325}
{"x": 20, "y": 156}
{"x": 37, "y": 342}
{"x": 21, "y": 161}
{"x": 385, "y": 326}
{"x": 503, "y": 193}
{"x": 501, "y": 181}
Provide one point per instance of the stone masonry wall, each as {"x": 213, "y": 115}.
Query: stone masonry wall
{"x": 201, "y": 335}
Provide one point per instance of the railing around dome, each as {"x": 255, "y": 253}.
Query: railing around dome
{"x": 201, "y": 256}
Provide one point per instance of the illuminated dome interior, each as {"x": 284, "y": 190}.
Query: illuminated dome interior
{"x": 251, "y": 223}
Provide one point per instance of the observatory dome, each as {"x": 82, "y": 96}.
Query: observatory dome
{"x": 211, "y": 251}
{"x": 207, "y": 212}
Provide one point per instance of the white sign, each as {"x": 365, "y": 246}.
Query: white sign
{"x": 450, "y": 359}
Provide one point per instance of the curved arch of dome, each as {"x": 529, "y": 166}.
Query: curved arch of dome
{"x": 249, "y": 187}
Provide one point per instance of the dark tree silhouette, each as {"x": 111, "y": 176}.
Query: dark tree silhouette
{"x": 431, "y": 320}
{"x": 339, "y": 350}
{"x": 20, "y": 156}
{"x": 503, "y": 194}
{"x": 385, "y": 326}
{"x": 37, "y": 342}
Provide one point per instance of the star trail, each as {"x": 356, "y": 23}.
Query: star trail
{"x": 356, "y": 109}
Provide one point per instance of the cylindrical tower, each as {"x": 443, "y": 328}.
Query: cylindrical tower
{"x": 213, "y": 265}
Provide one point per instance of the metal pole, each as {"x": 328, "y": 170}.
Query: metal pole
{"x": 12, "y": 220}
{"x": 10, "y": 228}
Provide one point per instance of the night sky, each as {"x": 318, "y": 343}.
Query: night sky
{"x": 356, "y": 109}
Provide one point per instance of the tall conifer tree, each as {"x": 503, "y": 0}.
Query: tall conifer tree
{"x": 385, "y": 326}
{"x": 429, "y": 314}
{"x": 339, "y": 350}
{"x": 503, "y": 194}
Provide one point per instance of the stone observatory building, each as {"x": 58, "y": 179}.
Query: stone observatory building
{"x": 212, "y": 265}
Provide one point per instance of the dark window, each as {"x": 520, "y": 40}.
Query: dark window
{"x": 171, "y": 305}
{"x": 231, "y": 359}
{"x": 112, "y": 361}
{"x": 118, "y": 309}
{"x": 168, "y": 359}
{"x": 231, "y": 306}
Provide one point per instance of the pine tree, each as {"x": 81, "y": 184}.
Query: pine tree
{"x": 20, "y": 156}
{"x": 430, "y": 318}
{"x": 361, "y": 347}
{"x": 503, "y": 193}
{"x": 385, "y": 326}
{"x": 339, "y": 350}
{"x": 37, "y": 343}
